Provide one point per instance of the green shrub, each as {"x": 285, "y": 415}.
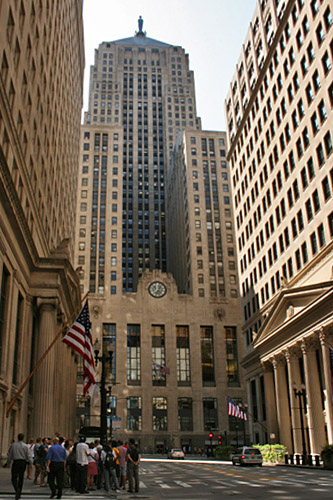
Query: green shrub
{"x": 272, "y": 453}
{"x": 224, "y": 452}
{"x": 327, "y": 452}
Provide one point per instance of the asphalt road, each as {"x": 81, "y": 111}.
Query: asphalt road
{"x": 191, "y": 480}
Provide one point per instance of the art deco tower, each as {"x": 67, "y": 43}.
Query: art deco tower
{"x": 145, "y": 87}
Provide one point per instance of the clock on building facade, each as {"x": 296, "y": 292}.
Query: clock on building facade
{"x": 157, "y": 289}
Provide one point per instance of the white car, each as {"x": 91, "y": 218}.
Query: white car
{"x": 176, "y": 453}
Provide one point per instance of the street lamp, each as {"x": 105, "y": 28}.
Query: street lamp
{"x": 301, "y": 395}
{"x": 103, "y": 359}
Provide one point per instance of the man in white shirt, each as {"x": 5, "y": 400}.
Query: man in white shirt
{"x": 19, "y": 453}
{"x": 82, "y": 453}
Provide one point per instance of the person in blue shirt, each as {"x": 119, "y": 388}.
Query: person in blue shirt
{"x": 55, "y": 467}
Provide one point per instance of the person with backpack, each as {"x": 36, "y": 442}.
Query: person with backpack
{"x": 109, "y": 457}
{"x": 133, "y": 461}
{"x": 36, "y": 461}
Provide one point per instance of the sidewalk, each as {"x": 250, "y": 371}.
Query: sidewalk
{"x": 29, "y": 488}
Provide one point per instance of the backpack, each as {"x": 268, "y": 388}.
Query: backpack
{"x": 110, "y": 461}
{"x": 41, "y": 455}
{"x": 134, "y": 453}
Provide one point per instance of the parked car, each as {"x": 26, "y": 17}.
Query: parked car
{"x": 247, "y": 456}
{"x": 176, "y": 453}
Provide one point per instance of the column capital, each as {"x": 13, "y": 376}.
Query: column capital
{"x": 47, "y": 302}
{"x": 309, "y": 344}
{"x": 292, "y": 353}
{"x": 278, "y": 360}
{"x": 267, "y": 366}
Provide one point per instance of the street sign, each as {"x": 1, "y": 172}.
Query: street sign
{"x": 116, "y": 423}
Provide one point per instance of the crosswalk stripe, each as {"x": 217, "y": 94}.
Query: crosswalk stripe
{"x": 184, "y": 485}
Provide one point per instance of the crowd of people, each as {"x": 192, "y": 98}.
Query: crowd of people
{"x": 83, "y": 467}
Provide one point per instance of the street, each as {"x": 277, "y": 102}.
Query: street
{"x": 191, "y": 480}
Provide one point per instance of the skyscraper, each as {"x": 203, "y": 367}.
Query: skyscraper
{"x": 155, "y": 243}
{"x": 279, "y": 115}
{"x": 41, "y": 81}
{"x": 147, "y": 88}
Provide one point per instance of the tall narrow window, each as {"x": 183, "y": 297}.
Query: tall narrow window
{"x": 230, "y": 335}
{"x": 133, "y": 355}
{"x": 134, "y": 413}
{"x": 207, "y": 356}
{"x": 3, "y": 307}
{"x": 19, "y": 318}
{"x": 158, "y": 354}
{"x": 210, "y": 414}
{"x": 185, "y": 415}
{"x": 109, "y": 339}
{"x": 160, "y": 414}
{"x": 183, "y": 356}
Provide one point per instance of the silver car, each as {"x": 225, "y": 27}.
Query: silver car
{"x": 247, "y": 456}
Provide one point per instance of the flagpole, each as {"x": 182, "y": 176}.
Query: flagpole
{"x": 41, "y": 359}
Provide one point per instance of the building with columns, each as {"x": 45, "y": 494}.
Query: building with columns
{"x": 279, "y": 116}
{"x": 41, "y": 80}
{"x": 156, "y": 249}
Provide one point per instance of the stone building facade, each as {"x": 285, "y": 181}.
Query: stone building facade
{"x": 279, "y": 115}
{"x": 42, "y": 63}
{"x": 156, "y": 249}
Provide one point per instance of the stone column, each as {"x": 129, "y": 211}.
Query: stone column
{"x": 44, "y": 378}
{"x": 292, "y": 356}
{"x": 281, "y": 391}
{"x": 325, "y": 350}
{"x": 315, "y": 415}
{"x": 270, "y": 399}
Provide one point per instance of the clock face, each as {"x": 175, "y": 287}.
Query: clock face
{"x": 157, "y": 289}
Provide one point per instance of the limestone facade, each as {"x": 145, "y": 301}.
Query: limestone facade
{"x": 42, "y": 62}
{"x": 279, "y": 114}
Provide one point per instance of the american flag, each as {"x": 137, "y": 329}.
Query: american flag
{"x": 235, "y": 411}
{"x": 161, "y": 368}
{"x": 79, "y": 338}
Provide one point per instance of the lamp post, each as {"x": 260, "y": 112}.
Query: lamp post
{"x": 301, "y": 395}
{"x": 245, "y": 407}
{"x": 103, "y": 359}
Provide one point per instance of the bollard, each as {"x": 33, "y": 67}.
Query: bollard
{"x": 286, "y": 461}
{"x": 297, "y": 459}
{"x": 291, "y": 459}
{"x": 304, "y": 460}
{"x": 310, "y": 460}
{"x": 317, "y": 460}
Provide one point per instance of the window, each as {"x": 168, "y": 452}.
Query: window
{"x": 160, "y": 414}
{"x": 230, "y": 335}
{"x": 133, "y": 355}
{"x": 314, "y": 123}
{"x": 134, "y": 413}
{"x": 328, "y": 143}
{"x": 210, "y": 414}
{"x": 326, "y": 63}
{"x": 309, "y": 211}
{"x": 185, "y": 414}
{"x": 322, "y": 111}
{"x": 314, "y": 243}
{"x": 207, "y": 356}
{"x": 316, "y": 202}
{"x": 183, "y": 356}
{"x": 158, "y": 355}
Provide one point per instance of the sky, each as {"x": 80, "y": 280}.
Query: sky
{"x": 211, "y": 32}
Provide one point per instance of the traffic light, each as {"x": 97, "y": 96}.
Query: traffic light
{"x": 211, "y": 435}
{"x": 219, "y": 439}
